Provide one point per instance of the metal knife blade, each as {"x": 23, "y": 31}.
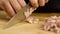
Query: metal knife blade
{"x": 17, "y": 18}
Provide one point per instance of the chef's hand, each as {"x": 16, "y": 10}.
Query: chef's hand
{"x": 12, "y": 6}
{"x": 37, "y": 3}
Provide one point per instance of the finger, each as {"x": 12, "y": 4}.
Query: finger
{"x": 41, "y": 2}
{"x": 15, "y": 5}
{"x": 8, "y": 8}
{"x": 1, "y": 6}
{"x": 46, "y": 1}
{"x": 21, "y": 2}
{"x": 34, "y": 3}
{"x": 0, "y": 3}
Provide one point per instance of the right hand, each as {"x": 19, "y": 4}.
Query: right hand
{"x": 12, "y": 6}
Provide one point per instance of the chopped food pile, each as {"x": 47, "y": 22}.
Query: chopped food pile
{"x": 29, "y": 12}
{"x": 52, "y": 24}
{"x": 32, "y": 20}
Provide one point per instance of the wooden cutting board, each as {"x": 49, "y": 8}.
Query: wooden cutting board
{"x": 24, "y": 27}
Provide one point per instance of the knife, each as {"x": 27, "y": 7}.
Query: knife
{"x": 19, "y": 17}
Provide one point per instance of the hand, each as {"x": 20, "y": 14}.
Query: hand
{"x": 12, "y": 6}
{"x": 37, "y": 3}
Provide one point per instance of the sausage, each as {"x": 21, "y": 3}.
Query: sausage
{"x": 52, "y": 24}
{"x": 32, "y": 20}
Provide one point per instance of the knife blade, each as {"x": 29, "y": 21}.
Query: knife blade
{"x": 17, "y": 18}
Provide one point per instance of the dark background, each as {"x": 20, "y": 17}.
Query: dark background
{"x": 51, "y": 6}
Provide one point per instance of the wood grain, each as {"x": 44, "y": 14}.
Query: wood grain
{"x": 24, "y": 27}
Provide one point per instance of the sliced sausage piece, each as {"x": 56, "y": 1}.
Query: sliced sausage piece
{"x": 32, "y": 20}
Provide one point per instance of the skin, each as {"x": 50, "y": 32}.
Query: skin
{"x": 12, "y": 6}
